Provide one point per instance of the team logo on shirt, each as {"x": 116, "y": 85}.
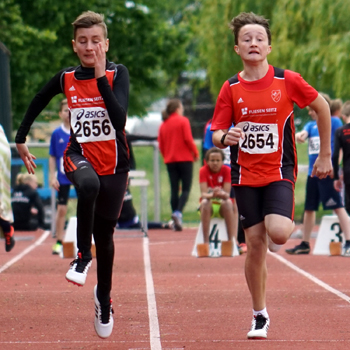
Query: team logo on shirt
{"x": 244, "y": 111}
{"x": 74, "y": 99}
{"x": 276, "y": 95}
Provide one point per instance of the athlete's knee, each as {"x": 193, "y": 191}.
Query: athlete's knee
{"x": 88, "y": 187}
{"x": 279, "y": 229}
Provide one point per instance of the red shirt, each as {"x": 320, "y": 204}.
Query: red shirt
{"x": 175, "y": 140}
{"x": 215, "y": 179}
{"x": 264, "y": 110}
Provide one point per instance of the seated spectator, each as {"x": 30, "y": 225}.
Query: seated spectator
{"x": 215, "y": 201}
{"x": 28, "y": 210}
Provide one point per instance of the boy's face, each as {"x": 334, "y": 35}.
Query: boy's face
{"x": 64, "y": 114}
{"x": 86, "y": 42}
{"x": 253, "y": 44}
{"x": 215, "y": 162}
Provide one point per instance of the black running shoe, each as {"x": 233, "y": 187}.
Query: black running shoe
{"x": 302, "y": 248}
{"x": 260, "y": 326}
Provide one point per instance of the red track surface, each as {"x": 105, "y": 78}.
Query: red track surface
{"x": 202, "y": 304}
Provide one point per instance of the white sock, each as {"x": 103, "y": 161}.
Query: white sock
{"x": 262, "y": 312}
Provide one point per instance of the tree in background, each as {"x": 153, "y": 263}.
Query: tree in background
{"x": 310, "y": 36}
{"x": 39, "y": 32}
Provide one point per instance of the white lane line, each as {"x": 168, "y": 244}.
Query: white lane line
{"x": 25, "y": 251}
{"x": 311, "y": 277}
{"x": 151, "y": 299}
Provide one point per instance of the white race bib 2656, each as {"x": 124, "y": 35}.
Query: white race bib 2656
{"x": 92, "y": 124}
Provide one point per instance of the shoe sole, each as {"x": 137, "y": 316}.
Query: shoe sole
{"x": 77, "y": 284}
{"x": 298, "y": 252}
{"x": 177, "y": 225}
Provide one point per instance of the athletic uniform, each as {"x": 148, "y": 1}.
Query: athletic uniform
{"x": 58, "y": 144}
{"x": 214, "y": 180}
{"x": 320, "y": 190}
{"x": 96, "y": 160}
{"x": 264, "y": 164}
{"x": 342, "y": 141}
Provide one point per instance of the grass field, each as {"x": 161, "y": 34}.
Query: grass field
{"x": 144, "y": 161}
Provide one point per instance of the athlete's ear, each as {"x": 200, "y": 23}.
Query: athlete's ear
{"x": 269, "y": 49}
{"x": 107, "y": 44}
{"x": 236, "y": 48}
{"x": 74, "y": 46}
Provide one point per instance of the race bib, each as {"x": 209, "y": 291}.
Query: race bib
{"x": 259, "y": 138}
{"x": 314, "y": 145}
{"x": 92, "y": 125}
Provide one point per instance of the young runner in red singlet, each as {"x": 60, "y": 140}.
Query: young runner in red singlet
{"x": 259, "y": 102}
{"x": 96, "y": 159}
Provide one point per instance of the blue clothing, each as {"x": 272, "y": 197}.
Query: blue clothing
{"x": 314, "y": 139}
{"x": 58, "y": 144}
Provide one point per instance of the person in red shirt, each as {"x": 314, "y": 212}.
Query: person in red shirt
{"x": 215, "y": 187}
{"x": 179, "y": 151}
{"x": 259, "y": 101}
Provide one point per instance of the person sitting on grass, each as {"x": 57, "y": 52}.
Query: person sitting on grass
{"x": 215, "y": 201}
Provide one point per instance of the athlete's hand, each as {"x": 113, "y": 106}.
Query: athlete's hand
{"x": 338, "y": 185}
{"x": 28, "y": 158}
{"x": 233, "y": 136}
{"x": 100, "y": 61}
{"x": 55, "y": 184}
{"x": 322, "y": 167}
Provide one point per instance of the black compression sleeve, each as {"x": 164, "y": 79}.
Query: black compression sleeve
{"x": 39, "y": 102}
{"x": 116, "y": 100}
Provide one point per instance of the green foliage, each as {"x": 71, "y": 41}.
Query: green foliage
{"x": 308, "y": 36}
{"x": 38, "y": 33}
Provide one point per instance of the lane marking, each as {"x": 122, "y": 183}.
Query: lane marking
{"x": 151, "y": 299}
{"x": 311, "y": 277}
{"x": 25, "y": 251}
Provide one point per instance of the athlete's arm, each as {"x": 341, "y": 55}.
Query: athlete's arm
{"x": 117, "y": 98}
{"x": 323, "y": 165}
{"x": 301, "y": 136}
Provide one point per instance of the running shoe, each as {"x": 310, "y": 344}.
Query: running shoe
{"x": 302, "y": 248}
{"x": 242, "y": 248}
{"x": 103, "y": 317}
{"x": 57, "y": 248}
{"x": 78, "y": 270}
{"x": 9, "y": 240}
{"x": 346, "y": 250}
{"x": 273, "y": 247}
{"x": 260, "y": 326}
{"x": 177, "y": 217}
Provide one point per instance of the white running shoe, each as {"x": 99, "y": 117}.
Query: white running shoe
{"x": 260, "y": 326}
{"x": 103, "y": 318}
{"x": 78, "y": 270}
{"x": 273, "y": 247}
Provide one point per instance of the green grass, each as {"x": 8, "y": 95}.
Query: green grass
{"x": 144, "y": 161}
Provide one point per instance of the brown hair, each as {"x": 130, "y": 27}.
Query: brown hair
{"x": 336, "y": 105}
{"x": 346, "y": 109}
{"x": 171, "y": 107}
{"x": 214, "y": 150}
{"x": 88, "y": 19}
{"x": 245, "y": 18}
{"x": 63, "y": 103}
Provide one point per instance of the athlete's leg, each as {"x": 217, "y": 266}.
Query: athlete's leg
{"x": 255, "y": 264}
{"x": 108, "y": 206}
{"x": 87, "y": 185}
{"x": 343, "y": 222}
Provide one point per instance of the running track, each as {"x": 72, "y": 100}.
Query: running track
{"x": 164, "y": 298}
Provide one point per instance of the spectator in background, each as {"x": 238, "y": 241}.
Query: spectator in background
{"x": 215, "y": 201}
{"x": 335, "y": 106}
{"x": 342, "y": 143}
{"x": 6, "y": 215}
{"x": 179, "y": 152}
{"x": 58, "y": 179}
{"x": 319, "y": 190}
{"x": 27, "y": 206}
